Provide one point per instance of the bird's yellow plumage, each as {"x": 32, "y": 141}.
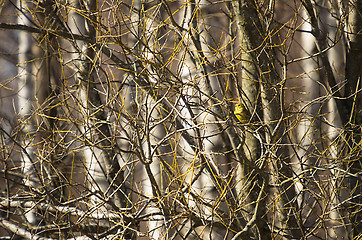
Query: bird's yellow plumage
{"x": 242, "y": 113}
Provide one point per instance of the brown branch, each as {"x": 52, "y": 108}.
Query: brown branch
{"x": 44, "y": 31}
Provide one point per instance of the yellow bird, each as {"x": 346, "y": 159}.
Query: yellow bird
{"x": 242, "y": 113}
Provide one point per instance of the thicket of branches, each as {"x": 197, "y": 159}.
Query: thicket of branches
{"x": 117, "y": 119}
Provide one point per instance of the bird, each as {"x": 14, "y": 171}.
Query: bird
{"x": 241, "y": 113}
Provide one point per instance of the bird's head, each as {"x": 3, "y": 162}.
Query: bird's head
{"x": 240, "y": 106}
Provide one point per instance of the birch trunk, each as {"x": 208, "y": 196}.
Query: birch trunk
{"x": 25, "y": 101}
